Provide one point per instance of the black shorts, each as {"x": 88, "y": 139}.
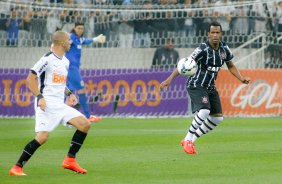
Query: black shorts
{"x": 202, "y": 98}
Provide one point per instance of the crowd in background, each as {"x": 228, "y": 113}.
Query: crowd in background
{"x": 28, "y": 23}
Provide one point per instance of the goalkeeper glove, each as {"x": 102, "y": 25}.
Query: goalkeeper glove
{"x": 101, "y": 38}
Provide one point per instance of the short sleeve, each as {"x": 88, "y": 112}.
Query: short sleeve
{"x": 229, "y": 54}
{"x": 196, "y": 54}
{"x": 86, "y": 41}
{"x": 40, "y": 67}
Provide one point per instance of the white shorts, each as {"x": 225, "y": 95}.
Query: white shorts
{"x": 49, "y": 119}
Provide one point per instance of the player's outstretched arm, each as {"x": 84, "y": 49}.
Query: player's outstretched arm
{"x": 233, "y": 69}
{"x": 100, "y": 39}
{"x": 166, "y": 83}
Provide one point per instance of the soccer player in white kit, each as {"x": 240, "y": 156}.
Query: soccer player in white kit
{"x": 47, "y": 81}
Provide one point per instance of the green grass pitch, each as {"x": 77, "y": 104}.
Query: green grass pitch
{"x": 147, "y": 151}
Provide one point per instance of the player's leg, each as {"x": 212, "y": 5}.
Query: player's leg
{"x": 82, "y": 125}
{"x": 214, "y": 119}
{"x": 83, "y": 103}
{"x": 198, "y": 120}
{"x": 28, "y": 151}
{"x": 75, "y": 83}
{"x": 76, "y": 119}
{"x": 200, "y": 104}
{"x": 42, "y": 128}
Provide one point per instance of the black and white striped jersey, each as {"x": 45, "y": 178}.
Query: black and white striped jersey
{"x": 209, "y": 62}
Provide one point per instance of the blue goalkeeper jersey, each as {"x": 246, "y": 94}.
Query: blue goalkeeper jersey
{"x": 74, "y": 54}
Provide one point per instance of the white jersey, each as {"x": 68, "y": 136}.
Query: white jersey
{"x": 52, "y": 72}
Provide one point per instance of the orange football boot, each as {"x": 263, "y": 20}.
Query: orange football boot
{"x": 71, "y": 164}
{"x": 16, "y": 171}
{"x": 94, "y": 119}
{"x": 189, "y": 147}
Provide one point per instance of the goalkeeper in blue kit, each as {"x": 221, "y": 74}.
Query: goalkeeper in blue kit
{"x": 74, "y": 79}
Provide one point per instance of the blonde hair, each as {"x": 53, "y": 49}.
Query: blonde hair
{"x": 59, "y": 37}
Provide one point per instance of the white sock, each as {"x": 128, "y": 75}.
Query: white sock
{"x": 199, "y": 118}
{"x": 210, "y": 124}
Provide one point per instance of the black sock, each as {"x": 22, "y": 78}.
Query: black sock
{"x": 76, "y": 143}
{"x": 28, "y": 151}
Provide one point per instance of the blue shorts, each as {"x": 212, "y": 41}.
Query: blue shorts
{"x": 74, "y": 80}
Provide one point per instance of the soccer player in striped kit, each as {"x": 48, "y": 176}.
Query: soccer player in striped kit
{"x": 74, "y": 80}
{"x": 205, "y": 101}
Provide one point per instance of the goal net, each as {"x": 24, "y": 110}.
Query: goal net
{"x": 123, "y": 75}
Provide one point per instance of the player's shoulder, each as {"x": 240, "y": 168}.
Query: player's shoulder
{"x": 200, "y": 49}
{"x": 66, "y": 60}
{"x": 203, "y": 46}
{"x": 224, "y": 44}
{"x": 72, "y": 34}
{"x": 47, "y": 54}
{"x": 225, "y": 47}
{"x": 46, "y": 57}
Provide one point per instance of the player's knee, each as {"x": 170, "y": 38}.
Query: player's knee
{"x": 85, "y": 126}
{"x": 42, "y": 137}
{"x": 204, "y": 113}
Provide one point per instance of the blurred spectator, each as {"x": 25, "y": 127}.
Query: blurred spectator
{"x": 38, "y": 26}
{"x": 165, "y": 23}
{"x": 224, "y": 11}
{"x": 143, "y": 26}
{"x": 203, "y": 17}
{"x": 24, "y": 34}
{"x": 261, "y": 13}
{"x": 188, "y": 15}
{"x": 278, "y": 17}
{"x": 103, "y": 22}
{"x": 3, "y": 20}
{"x": 126, "y": 27}
{"x": 69, "y": 3}
{"x": 53, "y": 22}
{"x": 5, "y": 8}
{"x": 102, "y": 2}
{"x": 240, "y": 25}
{"x": 4, "y": 14}
{"x": 67, "y": 20}
{"x": 240, "y": 20}
{"x": 90, "y": 26}
{"x": 13, "y": 25}
{"x": 56, "y": 1}
{"x": 261, "y": 20}
{"x": 186, "y": 25}
{"x": 273, "y": 56}
{"x": 83, "y": 2}
{"x": 165, "y": 56}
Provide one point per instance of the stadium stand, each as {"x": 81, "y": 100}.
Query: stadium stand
{"x": 147, "y": 23}
{"x": 135, "y": 28}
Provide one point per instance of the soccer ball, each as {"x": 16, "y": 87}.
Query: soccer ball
{"x": 187, "y": 66}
